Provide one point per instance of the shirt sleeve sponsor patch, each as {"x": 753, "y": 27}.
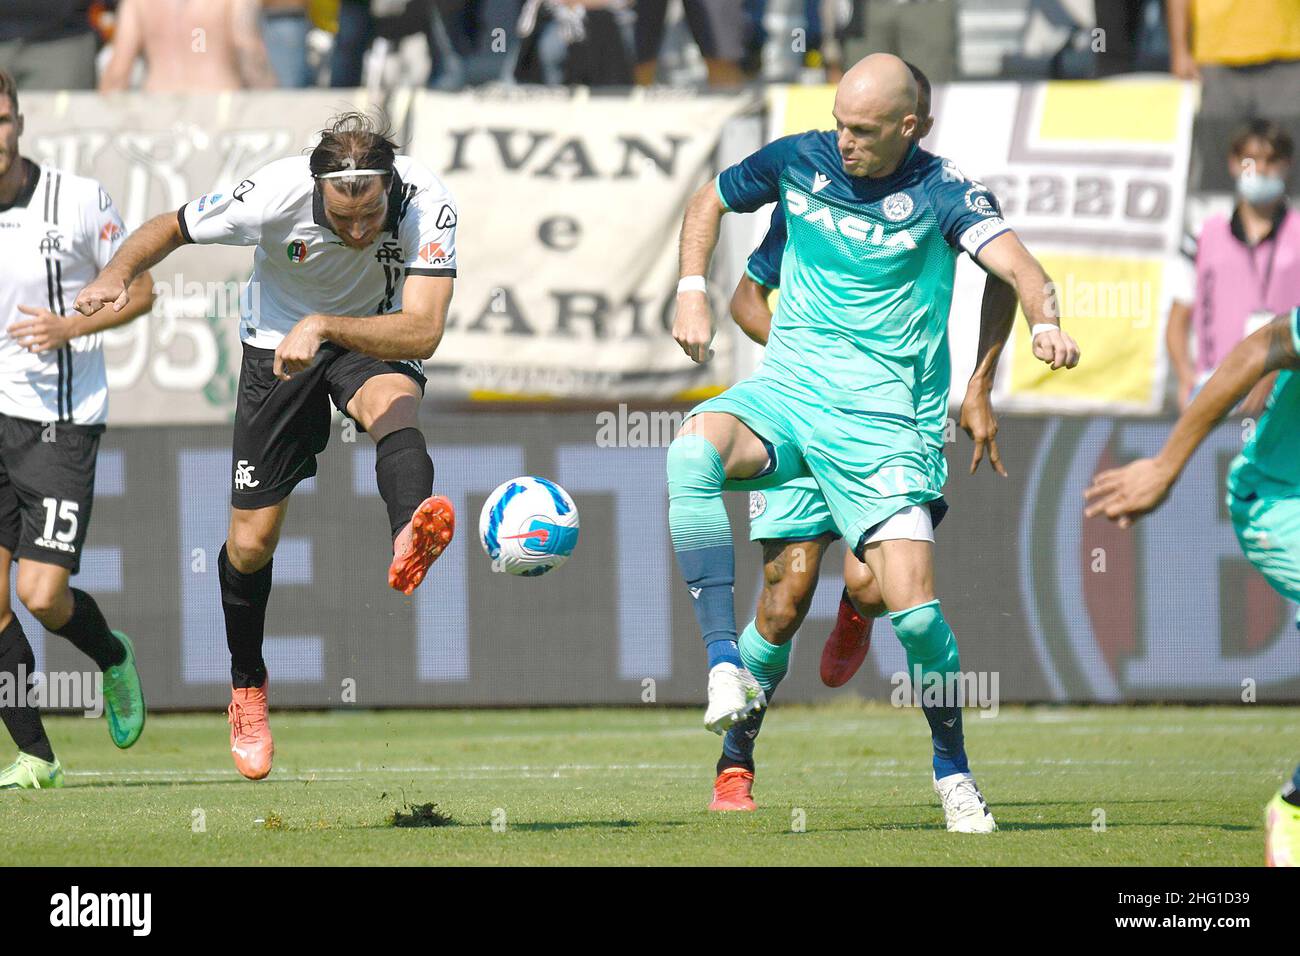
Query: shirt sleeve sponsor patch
{"x": 980, "y": 201}
{"x": 432, "y": 253}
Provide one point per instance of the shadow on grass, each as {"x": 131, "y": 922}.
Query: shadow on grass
{"x": 1007, "y": 827}
{"x": 545, "y": 827}
{"x": 158, "y": 784}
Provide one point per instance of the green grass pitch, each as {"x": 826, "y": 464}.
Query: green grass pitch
{"x": 838, "y": 784}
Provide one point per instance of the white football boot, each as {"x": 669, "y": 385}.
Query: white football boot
{"x": 734, "y": 694}
{"x": 963, "y": 804}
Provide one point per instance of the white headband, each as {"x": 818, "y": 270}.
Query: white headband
{"x": 346, "y": 173}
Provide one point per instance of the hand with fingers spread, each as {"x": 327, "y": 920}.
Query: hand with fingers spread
{"x": 45, "y": 331}
{"x": 1053, "y": 346}
{"x": 298, "y": 349}
{"x": 1125, "y": 494}
{"x": 979, "y": 422}
{"x": 693, "y": 325}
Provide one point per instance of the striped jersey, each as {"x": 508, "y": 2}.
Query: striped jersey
{"x": 300, "y": 267}
{"x": 55, "y": 237}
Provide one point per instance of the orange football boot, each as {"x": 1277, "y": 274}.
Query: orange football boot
{"x": 250, "y": 733}
{"x": 847, "y": 646}
{"x": 733, "y": 790}
{"x": 418, "y": 545}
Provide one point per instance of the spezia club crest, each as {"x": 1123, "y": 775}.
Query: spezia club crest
{"x": 897, "y": 207}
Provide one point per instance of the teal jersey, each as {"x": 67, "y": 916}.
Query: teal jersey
{"x": 867, "y": 270}
{"x": 1269, "y": 465}
{"x": 764, "y": 267}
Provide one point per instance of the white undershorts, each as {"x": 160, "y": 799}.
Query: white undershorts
{"x": 912, "y": 524}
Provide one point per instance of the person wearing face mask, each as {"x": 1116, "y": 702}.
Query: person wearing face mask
{"x": 1242, "y": 269}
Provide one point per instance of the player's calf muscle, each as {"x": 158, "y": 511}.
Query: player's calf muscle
{"x": 790, "y": 572}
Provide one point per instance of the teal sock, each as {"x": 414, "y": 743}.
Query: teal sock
{"x": 932, "y": 647}
{"x": 767, "y": 662}
{"x": 701, "y": 533}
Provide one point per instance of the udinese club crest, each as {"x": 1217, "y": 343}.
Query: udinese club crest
{"x": 897, "y": 207}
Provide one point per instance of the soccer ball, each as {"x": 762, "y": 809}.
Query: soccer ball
{"x": 528, "y": 526}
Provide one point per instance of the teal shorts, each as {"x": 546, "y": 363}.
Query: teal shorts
{"x": 797, "y": 511}
{"x": 866, "y": 465}
{"x": 1268, "y": 530}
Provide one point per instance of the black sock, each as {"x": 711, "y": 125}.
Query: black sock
{"x": 726, "y": 763}
{"x": 23, "y": 723}
{"x": 243, "y": 600}
{"x": 88, "y": 632}
{"x": 404, "y": 473}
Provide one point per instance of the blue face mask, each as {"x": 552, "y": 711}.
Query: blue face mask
{"x": 1260, "y": 190}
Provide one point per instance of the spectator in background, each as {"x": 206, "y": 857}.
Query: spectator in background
{"x": 48, "y": 44}
{"x": 285, "y": 26}
{"x": 923, "y": 32}
{"x": 574, "y": 43}
{"x": 1246, "y": 53}
{"x": 826, "y": 20}
{"x": 189, "y": 47}
{"x": 718, "y": 26}
{"x": 355, "y": 34}
{"x": 1243, "y": 269}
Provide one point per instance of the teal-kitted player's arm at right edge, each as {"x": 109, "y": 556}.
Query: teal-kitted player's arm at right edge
{"x": 1124, "y": 494}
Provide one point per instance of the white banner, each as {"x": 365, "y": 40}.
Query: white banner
{"x": 570, "y": 208}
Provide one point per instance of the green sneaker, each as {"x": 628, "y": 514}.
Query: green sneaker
{"x": 123, "y": 699}
{"x": 31, "y": 773}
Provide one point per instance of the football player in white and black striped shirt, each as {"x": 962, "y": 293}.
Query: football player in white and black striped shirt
{"x": 56, "y": 231}
{"x": 353, "y": 266}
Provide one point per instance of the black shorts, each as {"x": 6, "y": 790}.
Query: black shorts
{"x": 280, "y": 427}
{"x": 47, "y": 486}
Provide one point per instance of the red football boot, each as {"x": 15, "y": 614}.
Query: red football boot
{"x": 847, "y": 646}
{"x": 418, "y": 545}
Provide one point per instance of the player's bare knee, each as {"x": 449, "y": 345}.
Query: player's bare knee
{"x": 249, "y": 547}
{"x": 864, "y": 591}
{"x": 385, "y": 404}
{"x": 47, "y": 600}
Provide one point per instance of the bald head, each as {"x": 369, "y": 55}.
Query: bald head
{"x": 875, "y": 115}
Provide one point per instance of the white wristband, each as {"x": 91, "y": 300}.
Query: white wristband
{"x": 1041, "y": 327}
{"x": 691, "y": 284}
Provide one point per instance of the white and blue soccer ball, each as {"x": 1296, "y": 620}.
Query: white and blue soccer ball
{"x": 528, "y": 526}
